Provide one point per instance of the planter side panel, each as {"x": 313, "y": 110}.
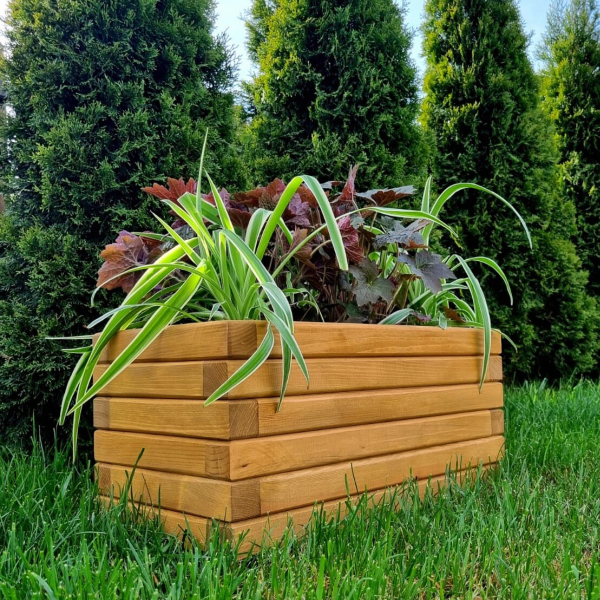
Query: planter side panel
{"x": 384, "y": 404}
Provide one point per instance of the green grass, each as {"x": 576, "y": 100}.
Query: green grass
{"x": 529, "y": 531}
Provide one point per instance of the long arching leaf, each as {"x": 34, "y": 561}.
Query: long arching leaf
{"x": 249, "y": 367}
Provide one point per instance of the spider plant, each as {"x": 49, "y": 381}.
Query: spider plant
{"x": 218, "y": 273}
{"x": 451, "y": 299}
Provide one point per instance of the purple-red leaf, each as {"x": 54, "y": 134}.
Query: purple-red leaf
{"x": 329, "y": 185}
{"x": 128, "y": 251}
{"x": 386, "y": 196}
{"x": 369, "y": 287}
{"x": 351, "y": 240}
{"x": 304, "y": 254}
{"x": 428, "y": 267}
{"x": 421, "y": 317}
{"x": 452, "y": 314}
{"x": 407, "y": 237}
{"x": 297, "y": 212}
{"x": 348, "y": 192}
{"x": 174, "y": 190}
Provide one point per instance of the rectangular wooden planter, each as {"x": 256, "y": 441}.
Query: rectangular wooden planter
{"x": 384, "y": 404}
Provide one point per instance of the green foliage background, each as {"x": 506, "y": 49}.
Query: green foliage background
{"x": 107, "y": 96}
{"x": 482, "y": 105}
{"x": 571, "y": 97}
{"x": 335, "y": 86}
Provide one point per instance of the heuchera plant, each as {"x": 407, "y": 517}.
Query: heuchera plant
{"x": 301, "y": 251}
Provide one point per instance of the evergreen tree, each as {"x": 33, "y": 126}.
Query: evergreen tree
{"x": 571, "y": 96}
{"x": 483, "y": 108}
{"x": 335, "y": 86}
{"x": 107, "y": 96}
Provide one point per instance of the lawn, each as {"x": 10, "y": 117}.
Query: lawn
{"x": 531, "y": 530}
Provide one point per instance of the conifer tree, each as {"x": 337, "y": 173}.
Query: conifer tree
{"x": 106, "y": 97}
{"x": 335, "y": 86}
{"x": 571, "y": 96}
{"x": 482, "y": 107}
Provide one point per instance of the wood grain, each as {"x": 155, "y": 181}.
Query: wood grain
{"x": 270, "y": 528}
{"x": 238, "y": 419}
{"x": 244, "y": 459}
{"x": 328, "y": 340}
{"x": 189, "y": 418}
{"x": 199, "y": 496}
{"x": 324, "y": 411}
{"x": 239, "y": 339}
{"x": 292, "y": 452}
{"x": 300, "y": 488}
{"x": 498, "y": 422}
{"x": 200, "y": 379}
{"x": 186, "y": 456}
{"x": 191, "y": 341}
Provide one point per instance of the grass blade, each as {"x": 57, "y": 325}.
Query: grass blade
{"x": 332, "y": 227}
{"x": 200, "y": 169}
{"x": 224, "y": 217}
{"x": 324, "y": 206}
{"x": 255, "y": 226}
{"x": 287, "y": 338}
{"x": 72, "y": 385}
{"x": 426, "y": 201}
{"x": 403, "y": 213}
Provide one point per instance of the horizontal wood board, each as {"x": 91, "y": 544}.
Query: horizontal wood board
{"x": 271, "y": 528}
{"x": 238, "y": 419}
{"x": 274, "y": 493}
{"x": 244, "y": 459}
{"x": 211, "y": 498}
{"x": 327, "y": 375}
{"x": 300, "y": 488}
{"x": 239, "y": 339}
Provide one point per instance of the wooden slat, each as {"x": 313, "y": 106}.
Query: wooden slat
{"x": 300, "y": 488}
{"x": 324, "y": 411}
{"x": 186, "y": 456}
{"x": 498, "y": 422}
{"x": 200, "y": 379}
{"x": 228, "y": 501}
{"x": 189, "y": 418}
{"x": 239, "y": 339}
{"x": 243, "y": 459}
{"x": 272, "y": 527}
{"x": 237, "y": 419}
{"x": 191, "y": 341}
{"x": 328, "y": 340}
{"x": 292, "y": 452}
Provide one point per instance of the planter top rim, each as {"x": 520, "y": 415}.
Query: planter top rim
{"x": 299, "y": 325}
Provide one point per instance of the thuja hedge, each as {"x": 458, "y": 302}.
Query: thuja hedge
{"x": 105, "y": 97}
{"x": 482, "y": 105}
{"x": 571, "y": 97}
{"x": 335, "y": 85}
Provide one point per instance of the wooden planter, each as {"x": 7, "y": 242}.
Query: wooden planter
{"x": 385, "y": 403}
